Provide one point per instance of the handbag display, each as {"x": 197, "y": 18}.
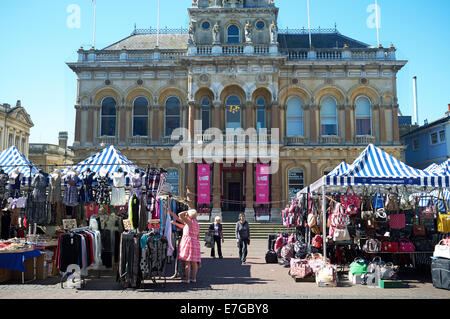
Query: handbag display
{"x": 423, "y": 245}
{"x": 350, "y": 203}
{"x": 358, "y": 267}
{"x": 389, "y": 246}
{"x": 316, "y": 261}
{"x": 375, "y": 264}
{"x": 397, "y": 221}
{"x": 406, "y": 246}
{"x": 300, "y": 268}
{"x": 442, "y": 250}
{"x": 326, "y": 274}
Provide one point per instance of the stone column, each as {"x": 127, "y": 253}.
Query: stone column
{"x": 276, "y": 191}
{"x": 90, "y": 131}
{"x": 249, "y": 113}
{"x": 348, "y": 124}
{"x": 383, "y": 134}
{"x": 191, "y": 119}
{"x": 249, "y": 194}
{"x": 313, "y": 120}
{"x": 78, "y": 125}
{"x": 156, "y": 124}
{"x": 275, "y": 114}
{"x": 122, "y": 124}
{"x": 217, "y": 110}
{"x": 190, "y": 189}
{"x": 395, "y": 128}
{"x": 217, "y": 184}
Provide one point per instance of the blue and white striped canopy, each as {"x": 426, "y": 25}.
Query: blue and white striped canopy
{"x": 109, "y": 159}
{"x": 432, "y": 168}
{"x": 376, "y": 167}
{"x": 340, "y": 170}
{"x": 12, "y": 158}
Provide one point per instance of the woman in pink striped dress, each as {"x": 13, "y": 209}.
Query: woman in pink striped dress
{"x": 189, "y": 250}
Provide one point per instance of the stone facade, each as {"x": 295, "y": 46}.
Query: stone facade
{"x": 234, "y": 49}
{"x": 15, "y": 125}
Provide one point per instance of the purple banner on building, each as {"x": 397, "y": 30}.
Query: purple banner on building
{"x": 262, "y": 184}
{"x": 203, "y": 184}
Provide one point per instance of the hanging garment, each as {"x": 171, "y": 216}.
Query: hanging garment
{"x": 102, "y": 192}
{"x": 14, "y": 185}
{"x": 3, "y": 182}
{"x": 118, "y": 197}
{"x": 54, "y": 191}
{"x": 39, "y": 208}
{"x": 143, "y": 215}
{"x": 136, "y": 185}
{"x": 71, "y": 191}
{"x": 133, "y": 211}
{"x": 189, "y": 249}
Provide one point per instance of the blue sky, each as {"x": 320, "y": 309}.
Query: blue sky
{"x": 37, "y": 42}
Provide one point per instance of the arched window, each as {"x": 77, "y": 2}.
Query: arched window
{"x": 206, "y": 114}
{"x": 140, "y": 117}
{"x": 260, "y": 113}
{"x": 233, "y": 112}
{"x": 233, "y": 33}
{"x": 173, "y": 179}
{"x": 294, "y": 117}
{"x": 108, "y": 117}
{"x": 173, "y": 108}
{"x": 295, "y": 182}
{"x": 363, "y": 116}
{"x": 329, "y": 117}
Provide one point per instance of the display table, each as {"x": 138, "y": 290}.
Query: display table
{"x": 16, "y": 261}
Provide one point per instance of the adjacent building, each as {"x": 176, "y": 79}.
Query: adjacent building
{"x": 429, "y": 143}
{"x": 15, "y": 125}
{"x": 233, "y": 68}
{"x": 49, "y": 156}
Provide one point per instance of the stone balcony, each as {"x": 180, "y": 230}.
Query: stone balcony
{"x": 294, "y": 140}
{"x": 365, "y": 140}
{"x": 106, "y": 140}
{"x": 330, "y": 140}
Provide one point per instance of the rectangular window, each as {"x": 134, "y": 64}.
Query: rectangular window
{"x": 329, "y": 129}
{"x": 363, "y": 126}
{"x": 442, "y": 136}
{"x": 415, "y": 144}
{"x": 140, "y": 126}
{"x": 434, "y": 138}
{"x": 205, "y": 119}
{"x": 108, "y": 125}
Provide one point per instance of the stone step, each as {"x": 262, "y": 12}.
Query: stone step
{"x": 257, "y": 230}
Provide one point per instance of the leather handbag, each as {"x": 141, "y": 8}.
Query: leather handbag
{"x": 389, "y": 246}
{"x": 419, "y": 231}
{"x": 443, "y": 220}
{"x": 423, "y": 245}
{"x": 372, "y": 246}
{"x": 392, "y": 202}
{"x": 316, "y": 261}
{"x": 380, "y": 215}
{"x": 375, "y": 264}
{"x": 339, "y": 218}
{"x": 406, "y": 246}
{"x": 350, "y": 203}
{"x": 317, "y": 241}
{"x": 367, "y": 209}
{"x": 300, "y": 268}
{"x": 442, "y": 250}
{"x": 378, "y": 201}
{"x": 326, "y": 273}
{"x": 406, "y": 200}
{"x": 341, "y": 234}
{"x": 397, "y": 221}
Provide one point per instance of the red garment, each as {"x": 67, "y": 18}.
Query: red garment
{"x": 91, "y": 209}
{"x": 190, "y": 245}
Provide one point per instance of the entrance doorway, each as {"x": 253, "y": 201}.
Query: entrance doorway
{"x": 232, "y": 193}
{"x": 234, "y": 196}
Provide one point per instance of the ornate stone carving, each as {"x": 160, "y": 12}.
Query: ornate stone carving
{"x": 216, "y": 33}
{"x": 248, "y": 32}
{"x": 273, "y": 33}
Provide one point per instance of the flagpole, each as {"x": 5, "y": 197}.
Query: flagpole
{"x": 378, "y": 26}
{"x": 95, "y": 21}
{"x": 157, "y": 36}
{"x": 309, "y": 26}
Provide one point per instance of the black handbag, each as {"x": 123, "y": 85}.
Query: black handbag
{"x": 271, "y": 257}
{"x": 423, "y": 245}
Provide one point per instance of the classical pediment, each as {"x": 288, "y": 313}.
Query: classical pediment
{"x": 21, "y": 115}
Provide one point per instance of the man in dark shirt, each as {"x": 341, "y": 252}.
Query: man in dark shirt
{"x": 242, "y": 237}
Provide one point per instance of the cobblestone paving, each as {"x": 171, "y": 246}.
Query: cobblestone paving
{"x": 221, "y": 279}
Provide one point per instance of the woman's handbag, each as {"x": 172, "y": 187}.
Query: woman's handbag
{"x": 388, "y": 271}
{"x": 209, "y": 240}
{"x": 406, "y": 200}
{"x": 378, "y": 201}
{"x": 442, "y": 250}
{"x": 443, "y": 220}
{"x": 315, "y": 261}
{"x": 300, "y": 268}
{"x": 397, "y": 221}
{"x": 423, "y": 245}
{"x": 358, "y": 267}
{"x": 350, "y": 203}
{"x": 406, "y": 246}
{"x": 341, "y": 234}
{"x": 372, "y": 246}
{"x": 380, "y": 215}
{"x": 419, "y": 231}
{"x": 389, "y": 246}
{"x": 375, "y": 264}
{"x": 326, "y": 274}
{"x": 367, "y": 209}
{"x": 392, "y": 203}
{"x": 339, "y": 218}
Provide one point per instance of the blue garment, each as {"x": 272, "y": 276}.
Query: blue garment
{"x": 16, "y": 261}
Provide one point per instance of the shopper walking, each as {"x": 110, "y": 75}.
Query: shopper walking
{"x": 242, "y": 237}
{"x": 189, "y": 249}
{"x": 216, "y": 231}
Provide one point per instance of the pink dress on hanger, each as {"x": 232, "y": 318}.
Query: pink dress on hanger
{"x": 189, "y": 249}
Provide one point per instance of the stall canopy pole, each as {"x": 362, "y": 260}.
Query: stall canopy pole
{"x": 324, "y": 222}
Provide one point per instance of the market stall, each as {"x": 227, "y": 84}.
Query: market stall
{"x": 369, "y": 208}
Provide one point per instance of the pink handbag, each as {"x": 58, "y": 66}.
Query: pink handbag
{"x": 300, "y": 268}
{"x": 406, "y": 246}
{"x": 351, "y": 203}
{"x": 397, "y": 221}
{"x": 339, "y": 218}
